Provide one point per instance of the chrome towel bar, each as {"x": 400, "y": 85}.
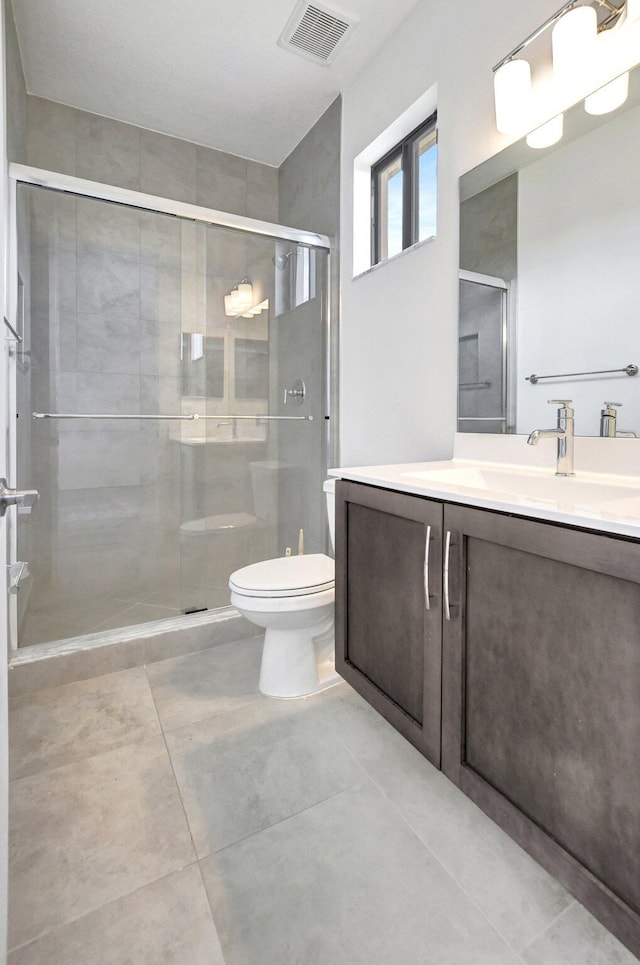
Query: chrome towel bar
{"x": 630, "y": 370}
{"x": 194, "y": 417}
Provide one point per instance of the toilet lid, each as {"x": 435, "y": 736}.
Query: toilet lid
{"x": 286, "y": 576}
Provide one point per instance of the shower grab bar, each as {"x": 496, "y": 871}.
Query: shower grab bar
{"x": 194, "y": 417}
{"x": 629, "y": 370}
{"x": 486, "y": 384}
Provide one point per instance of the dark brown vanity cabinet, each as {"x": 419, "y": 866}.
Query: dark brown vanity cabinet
{"x": 541, "y": 698}
{"x": 388, "y": 607}
{"x": 533, "y": 633}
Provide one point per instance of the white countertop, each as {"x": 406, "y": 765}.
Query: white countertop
{"x": 602, "y": 501}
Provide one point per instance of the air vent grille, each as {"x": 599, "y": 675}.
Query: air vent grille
{"x": 316, "y": 32}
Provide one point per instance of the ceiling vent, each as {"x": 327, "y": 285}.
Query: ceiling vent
{"x": 316, "y": 32}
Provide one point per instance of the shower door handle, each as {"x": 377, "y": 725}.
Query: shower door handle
{"x": 17, "y": 572}
{"x": 16, "y": 497}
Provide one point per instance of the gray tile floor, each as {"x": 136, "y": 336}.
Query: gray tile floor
{"x": 170, "y": 815}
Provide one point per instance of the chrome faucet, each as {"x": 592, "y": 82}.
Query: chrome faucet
{"x": 609, "y": 423}
{"x": 564, "y": 435}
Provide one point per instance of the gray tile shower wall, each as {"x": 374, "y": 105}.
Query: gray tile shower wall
{"x": 309, "y": 197}
{"x": 309, "y": 179}
{"x": 69, "y": 141}
{"x": 16, "y": 91}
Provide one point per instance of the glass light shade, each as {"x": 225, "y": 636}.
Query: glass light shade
{"x": 513, "y": 95}
{"x": 609, "y": 97}
{"x": 245, "y": 295}
{"x": 573, "y": 40}
{"x": 633, "y": 11}
{"x": 550, "y": 133}
{"x": 229, "y": 308}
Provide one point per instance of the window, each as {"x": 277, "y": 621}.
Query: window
{"x": 404, "y": 186}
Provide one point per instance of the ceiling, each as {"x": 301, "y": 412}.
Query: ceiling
{"x": 208, "y": 71}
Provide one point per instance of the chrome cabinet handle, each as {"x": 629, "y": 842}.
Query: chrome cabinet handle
{"x": 427, "y": 604}
{"x": 447, "y": 553}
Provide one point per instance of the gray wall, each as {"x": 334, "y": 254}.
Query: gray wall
{"x": 309, "y": 197}
{"x": 16, "y": 91}
{"x": 489, "y": 230}
{"x": 70, "y": 141}
{"x": 309, "y": 179}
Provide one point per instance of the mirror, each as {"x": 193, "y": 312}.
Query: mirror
{"x": 550, "y": 279}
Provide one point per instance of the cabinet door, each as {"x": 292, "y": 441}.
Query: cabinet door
{"x": 541, "y": 698}
{"x": 388, "y": 607}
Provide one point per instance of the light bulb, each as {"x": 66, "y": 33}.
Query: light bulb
{"x": 513, "y": 94}
{"x": 573, "y": 40}
{"x": 550, "y": 133}
{"x": 609, "y": 97}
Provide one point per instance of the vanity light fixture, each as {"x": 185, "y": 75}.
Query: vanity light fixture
{"x": 548, "y": 134}
{"x": 582, "y": 49}
{"x": 239, "y": 302}
{"x": 240, "y": 299}
{"x": 513, "y": 94}
{"x": 573, "y": 41}
{"x": 609, "y": 97}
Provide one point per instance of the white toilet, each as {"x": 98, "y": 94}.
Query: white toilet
{"x": 293, "y": 599}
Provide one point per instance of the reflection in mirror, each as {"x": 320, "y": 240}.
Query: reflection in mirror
{"x": 557, "y": 232}
{"x": 251, "y": 368}
{"x": 482, "y": 382}
{"x": 202, "y": 366}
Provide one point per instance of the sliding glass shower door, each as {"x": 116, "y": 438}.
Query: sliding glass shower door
{"x": 150, "y": 394}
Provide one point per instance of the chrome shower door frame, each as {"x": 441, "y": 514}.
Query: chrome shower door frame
{"x": 68, "y": 184}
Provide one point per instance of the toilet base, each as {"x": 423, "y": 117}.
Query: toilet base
{"x": 297, "y": 663}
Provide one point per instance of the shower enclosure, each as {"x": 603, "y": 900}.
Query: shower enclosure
{"x": 171, "y": 402}
{"x": 484, "y": 334}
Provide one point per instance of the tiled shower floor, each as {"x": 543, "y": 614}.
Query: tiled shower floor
{"x": 51, "y": 623}
{"x": 170, "y": 814}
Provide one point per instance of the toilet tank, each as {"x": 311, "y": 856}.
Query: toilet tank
{"x": 330, "y": 496}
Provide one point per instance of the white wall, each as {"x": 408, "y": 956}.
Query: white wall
{"x": 399, "y": 321}
{"x": 578, "y": 279}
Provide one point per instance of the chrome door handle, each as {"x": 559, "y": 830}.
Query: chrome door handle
{"x": 447, "y": 553}
{"x": 427, "y": 604}
{"x": 17, "y": 572}
{"x": 15, "y": 497}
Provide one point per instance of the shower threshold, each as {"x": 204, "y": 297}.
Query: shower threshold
{"x": 78, "y": 658}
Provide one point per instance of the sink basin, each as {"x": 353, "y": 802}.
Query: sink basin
{"x": 528, "y": 484}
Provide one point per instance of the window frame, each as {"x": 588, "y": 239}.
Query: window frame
{"x": 404, "y": 150}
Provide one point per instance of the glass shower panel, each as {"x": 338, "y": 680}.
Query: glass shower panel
{"x": 110, "y": 291}
{"x": 252, "y": 482}
{"x": 172, "y": 472}
{"x": 482, "y": 358}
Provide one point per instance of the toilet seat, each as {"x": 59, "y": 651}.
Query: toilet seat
{"x": 287, "y": 576}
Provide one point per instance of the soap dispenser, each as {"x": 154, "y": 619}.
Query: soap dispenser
{"x": 609, "y": 424}
{"x": 608, "y": 419}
